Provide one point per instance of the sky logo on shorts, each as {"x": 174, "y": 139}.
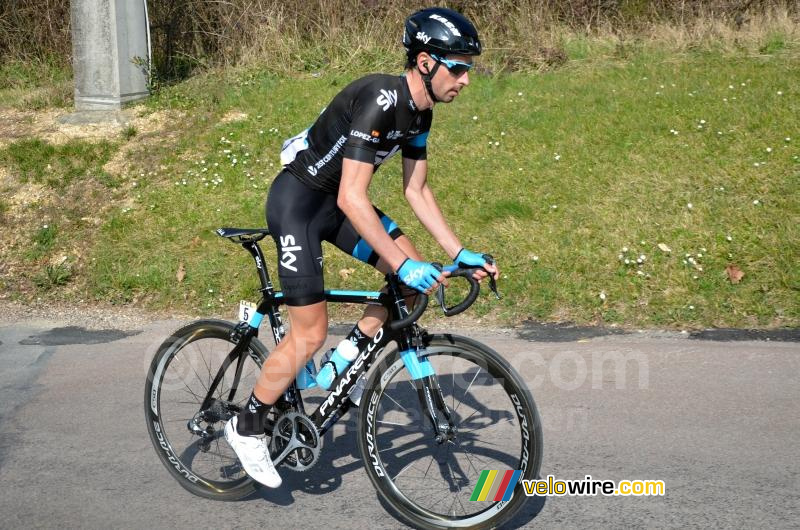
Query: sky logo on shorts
{"x": 494, "y": 485}
{"x": 288, "y": 247}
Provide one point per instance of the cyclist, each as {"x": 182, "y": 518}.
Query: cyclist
{"x": 321, "y": 194}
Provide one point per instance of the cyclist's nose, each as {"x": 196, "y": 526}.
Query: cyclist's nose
{"x": 464, "y": 78}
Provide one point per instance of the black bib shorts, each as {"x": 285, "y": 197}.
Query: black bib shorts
{"x": 300, "y": 219}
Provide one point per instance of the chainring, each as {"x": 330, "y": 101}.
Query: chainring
{"x": 295, "y": 442}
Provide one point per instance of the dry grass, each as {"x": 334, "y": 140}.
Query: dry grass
{"x": 346, "y": 35}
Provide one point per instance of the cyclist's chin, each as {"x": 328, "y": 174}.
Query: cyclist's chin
{"x": 449, "y": 96}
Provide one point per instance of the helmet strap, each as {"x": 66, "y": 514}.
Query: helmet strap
{"x": 427, "y": 79}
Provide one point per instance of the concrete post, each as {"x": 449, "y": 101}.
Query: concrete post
{"x": 107, "y": 36}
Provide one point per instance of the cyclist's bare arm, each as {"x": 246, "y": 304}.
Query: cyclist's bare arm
{"x": 354, "y": 202}
{"x": 422, "y": 201}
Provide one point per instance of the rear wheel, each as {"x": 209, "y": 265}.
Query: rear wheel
{"x": 494, "y": 425}
{"x": 189, "y": 441}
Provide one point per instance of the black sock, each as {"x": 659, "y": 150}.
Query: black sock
{"x": 359, "y": 338}
{"x": 253, "y": 417}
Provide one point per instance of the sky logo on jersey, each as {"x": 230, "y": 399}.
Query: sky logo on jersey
{"x": 387, "y": 99}
{"x": 496, "y": 486}
{"x": 394, "y": 135}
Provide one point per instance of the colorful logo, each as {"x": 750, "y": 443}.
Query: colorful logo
{"x": 494, "y": 485}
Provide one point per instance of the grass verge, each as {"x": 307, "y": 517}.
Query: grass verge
{"x": 616, "y": 190}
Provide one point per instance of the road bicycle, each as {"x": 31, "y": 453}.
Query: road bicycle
{"x": 436, "y": 411}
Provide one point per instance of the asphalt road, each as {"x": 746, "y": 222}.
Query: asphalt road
{"x": 717, "y": 421}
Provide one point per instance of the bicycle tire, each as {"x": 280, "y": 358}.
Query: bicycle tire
{"x": 177, "y": 382}
{"x": 395, "y": 446}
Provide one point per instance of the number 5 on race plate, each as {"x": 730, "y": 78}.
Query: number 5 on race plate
{"x": 246, "y": 310}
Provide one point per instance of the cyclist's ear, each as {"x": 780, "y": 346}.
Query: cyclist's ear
{"x": 422, "y": 60}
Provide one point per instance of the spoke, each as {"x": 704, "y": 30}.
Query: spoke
{"x": 219, "y": 454}
{"x": 469, "y": 459}
{"x": 478, "y": 458}
{"x": 488, "y": 427}
{"x": 190, "y": 392}
{"x": 395, "y": 402}
{"x": 454, "y": 391}
{"x": 470, "y": 386}
{"x": 208, "y": 368}
{"x": 468, "y": 417}
{"x": 394, "y": 423}
{"x": 198, "y": 377}
{"x": 484, "y": 442}
{"x": 184, "y": 421}
{"x": 394, "y": 478}
{"x": 433, "y": 459}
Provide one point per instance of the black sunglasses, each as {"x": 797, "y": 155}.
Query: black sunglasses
{"x": 457, "y": 68}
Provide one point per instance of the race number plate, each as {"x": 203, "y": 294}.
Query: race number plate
{"x": 246, "y": 310}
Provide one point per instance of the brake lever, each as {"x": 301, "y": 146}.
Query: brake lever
{"x": 492, "y": 282}
{"x": 440, "y": 291}
{"x": 493, "y": 286}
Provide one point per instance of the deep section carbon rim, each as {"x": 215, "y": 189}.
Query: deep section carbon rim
{"x": 496, "y": 428}
{"x": 191, "y": 442}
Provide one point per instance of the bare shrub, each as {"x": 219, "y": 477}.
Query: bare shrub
{"x": 339, "y": 34}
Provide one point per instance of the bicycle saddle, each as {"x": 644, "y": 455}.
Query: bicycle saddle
{"x": 243, "y": 235}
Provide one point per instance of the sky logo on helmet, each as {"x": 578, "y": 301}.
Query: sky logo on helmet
{"x": 388, "y": 98}
{"x": 447, "y": 23}
{"x": 423, "y": 37}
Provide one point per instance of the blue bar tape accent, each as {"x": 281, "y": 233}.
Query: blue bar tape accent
{"x": 368, "y": 294}
{"x": 278, "y": 295}
{"x": 420, "y": 140}
{"x": 256, "y": 320}
{"x": 418, "y": 368}
{"x": 512, "y": 484}
{"x": 450, "y": 268}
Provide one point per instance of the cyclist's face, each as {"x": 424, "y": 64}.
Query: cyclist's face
{"x": 451, "y": 77}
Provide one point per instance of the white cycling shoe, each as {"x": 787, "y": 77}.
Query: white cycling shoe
{"x": 253, "y": 453}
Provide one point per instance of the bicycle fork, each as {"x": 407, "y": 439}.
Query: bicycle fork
{"x": 431, "y": 398}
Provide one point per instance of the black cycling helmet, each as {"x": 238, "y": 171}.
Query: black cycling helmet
{"x": 440, "y": 30}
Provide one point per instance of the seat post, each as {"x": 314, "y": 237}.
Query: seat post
{"x": 263, "y": 274}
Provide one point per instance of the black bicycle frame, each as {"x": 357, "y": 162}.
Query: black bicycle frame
{"x": 337, "y": 402}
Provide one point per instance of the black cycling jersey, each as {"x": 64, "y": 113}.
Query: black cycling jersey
{"x": 369, "y": 121}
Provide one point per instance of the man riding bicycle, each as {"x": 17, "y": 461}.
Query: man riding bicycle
{"x": 321, "y": 194}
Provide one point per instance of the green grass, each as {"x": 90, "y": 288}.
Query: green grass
{"x": 559, "y": 172}
{"x": 35, "y": 84}
{"x": 42, "y": 241}
{"x": 56, "y": 165}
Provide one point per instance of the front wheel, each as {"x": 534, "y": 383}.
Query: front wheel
{"x": 189, "y": 440}
{"x": 493, "y": 428}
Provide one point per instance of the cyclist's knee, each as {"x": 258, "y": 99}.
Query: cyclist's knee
{"x": 309, "y": 328}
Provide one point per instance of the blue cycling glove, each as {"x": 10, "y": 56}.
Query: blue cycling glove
{"x": 468, "y": 259}
{"x": 418, "y": 275}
